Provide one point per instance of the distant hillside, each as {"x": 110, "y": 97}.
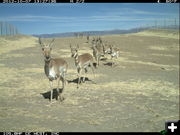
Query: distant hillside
{"x": 90, "y": 33}
{"x": 100, "y": 33}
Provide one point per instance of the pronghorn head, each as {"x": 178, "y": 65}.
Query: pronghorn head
{"x": 74, "y": 51}
{"x": 97, "y": 39}
{"x": 46, "y": 48}
{"x": 111, "y": 48}
{"x": 108, "y": 49}
{"x": 93, "y": 41}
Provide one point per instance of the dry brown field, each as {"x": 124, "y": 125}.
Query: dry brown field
{"x": 139, "y": 93}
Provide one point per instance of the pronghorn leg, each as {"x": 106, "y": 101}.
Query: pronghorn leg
{"x": 117, "y": 55}
{"x": 85, "y": 70}
{"x": 112, "y": 61}
{"x": 63, "y": 80}
{"x": 79, "y": 77}
{"x": 58, "y": 79}
{"x": 51, "y": 86}
{"x": 61, "y": 95}
{"x": 64, "y": 77}
{"x": 98, "y": 60}
{"x": 92, "y": 68}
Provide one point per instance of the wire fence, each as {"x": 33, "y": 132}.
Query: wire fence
{"x": 161, "y": 24}
{"x": 8, "y": 29}
{"x": 166, "y": 23}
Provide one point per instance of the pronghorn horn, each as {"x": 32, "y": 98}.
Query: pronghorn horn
{"x": 40, "y": 42}
{"x": 70, "y": 46}
{"x": 78, "y": 46}
{"x": 51, "y": 42}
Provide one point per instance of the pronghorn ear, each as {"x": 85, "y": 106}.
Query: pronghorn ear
{"x": 40, "y": 42}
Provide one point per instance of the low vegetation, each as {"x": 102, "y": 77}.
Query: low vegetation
{"x": 138, "y": 93}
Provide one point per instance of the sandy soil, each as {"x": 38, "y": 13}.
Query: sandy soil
{"x": 139, "y": 93}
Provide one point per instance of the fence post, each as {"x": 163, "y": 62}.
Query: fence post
{"x": 155, "y": 24}
{"x": 1, "y": 26}
{"x": 164, "y": 23}
{"x": 175, "y": 23}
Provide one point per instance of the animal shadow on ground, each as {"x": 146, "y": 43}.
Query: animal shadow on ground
{"x": 95, "y": 65}
{"x": 103, "y": 59}
{"x": 112, "y": 64}
{"x": 46, "y": 95}
{"x": 76, "y": 80}
{"x": 108, "y": 64}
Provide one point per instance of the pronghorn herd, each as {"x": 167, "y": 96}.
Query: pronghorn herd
{"x": 100, "y": 49}
{"x": 56, "y": 68}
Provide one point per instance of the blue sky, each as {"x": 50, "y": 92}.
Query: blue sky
{"x": 58, "y": 18}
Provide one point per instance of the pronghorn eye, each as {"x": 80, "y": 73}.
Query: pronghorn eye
{"x": 50, "y": 48}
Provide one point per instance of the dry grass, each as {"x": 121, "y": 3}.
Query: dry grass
{"x": 21, "y": 43}
{"x": 162, "y": 48}
{"x": 137, "y": 62}
{"x": 161, "y": 33}
{"x": 164, "y": 55}
{"x": 145, "y": 87}
{"x": 136, "y": 90}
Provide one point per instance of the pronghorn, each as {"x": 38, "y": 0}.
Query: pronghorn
{"x": 106, "y": 48}
{"x": 81, "y": 62}
{"x": 87, "y": 37}
{"x": 55, "y": 68}
{"x": 98, "y": 50}
{"x": 114, "y": 52}
{"x": 99, "y": 40}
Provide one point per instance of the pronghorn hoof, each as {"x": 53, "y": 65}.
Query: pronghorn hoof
{"x": 51, "y": 102}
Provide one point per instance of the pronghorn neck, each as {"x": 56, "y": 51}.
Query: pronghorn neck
{"x": 47, "y": 65}
{"x": 47, "y": 61}
{"x": 76, "y": 58}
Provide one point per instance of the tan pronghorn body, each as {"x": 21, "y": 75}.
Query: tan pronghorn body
{"x": 114, "y": 52}
{"x": 106, "y": 48}
{"x": 55, "y": 68}
{"x": 81, "y": 62}
{"x": 98, "y": 49}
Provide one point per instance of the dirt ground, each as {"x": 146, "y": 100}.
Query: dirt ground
{"x": 139, "y": 93}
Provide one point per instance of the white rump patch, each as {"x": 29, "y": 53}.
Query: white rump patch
{"x": 52, "y": 73}
{"x": 113, "y": 54}
{"x": 62, "y": 70}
